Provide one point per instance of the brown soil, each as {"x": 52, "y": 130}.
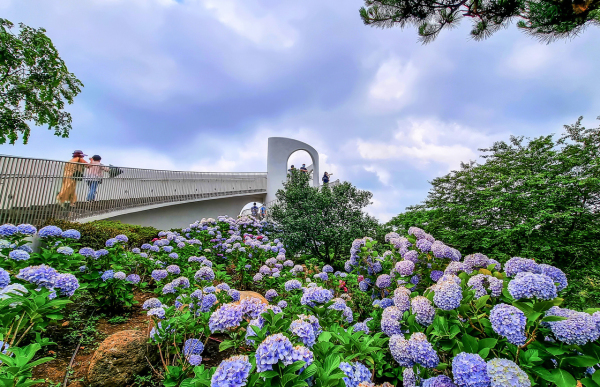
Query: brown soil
{"x": 54, "y": 371}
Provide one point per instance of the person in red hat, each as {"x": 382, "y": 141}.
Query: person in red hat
{"x": 73, "y": 172}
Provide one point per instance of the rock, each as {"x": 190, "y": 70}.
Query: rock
{"x": 248, "y": 294}
{"x": 118, "y": 359}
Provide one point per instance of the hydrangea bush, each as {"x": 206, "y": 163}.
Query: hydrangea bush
{"x": 411, "y": 311}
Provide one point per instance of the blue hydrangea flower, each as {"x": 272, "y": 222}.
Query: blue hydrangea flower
{"x": 361, "y": 326}
{"x": 158, "y": 312}
{"x": 232, "y": 372}
{"x": 304, "y": 331}
{"x": 282, "y": 304}
{"x": 271, "y": 294}
{"x": 120, "y": 276}
{"x": 136, "y": 250}
{"x": 173, "y": 269}
{"x": 423, "y": 310}
{"x": 167, "y": 249}
{"x": 470, "y": 370}
{"x": 159, "y": 274}
{"x": 399, "y": 350}
{"x": 151, "y": 303}
{"x": 223, "y": 286}
{"x": 327, "y": 269}
{"x": 411, "y": 255}
{"x": 49, "y": 231}
{"x": 405, "y": 268}
{"x": 155, "y": 249}
{"x": 122, "y": 238}
{"x": 390, "y": 321}
{"x": 65, "y": 250}
{"x": 509, "y": 322}
{"x": 87, "y": 252}
{"x": 145, "y": 246}
{"x": 101, "y": 253}
{"x": 304, "y": 354}
{"x": 292, "y": 285}
{"x": 424, "y": 245}
{"x": 316, "y": 295}
{"x": 205, "y": 273}
{"x": 438, "y": 381}
{"x": 252, "y": 307}
{"x": 41, "y": 275}
{"x": 579, "y": 328}
{"x": 67, "y": 284}
{"x": 557, "y": 275}
{"x": 435, "y": 275}
{"x": 481, "y": 282}
{"x": 276, "y": 348}
{"x": 26, "y": 229}
{"x": 174, "y": 256}
{"x": 503, "y": 372}
{"x": 207, "y": 302}
{"x": 133, "y": 278}
{"x": 356, "y": 373}
{"x": 18, "y": 255}
{"x": 448, "y": 295}
{"x": 234, "y": 294}
{"x": 4, "y": 278}
{"x": 409, "y": 379}
{"x": 383, "y": 281}
{"x": 517, "y": 265}
{"x": 71, "y": 234}
{"x": 8, "y": 229}
{"x": 421, "y": 351}
{"x": 109, "y": 274}
{"x": 111, "y": 242}
{"x": 226, "y": 317}
{"x": 530, "y": 285}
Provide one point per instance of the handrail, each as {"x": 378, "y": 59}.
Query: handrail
{"x": 30, "y": 188}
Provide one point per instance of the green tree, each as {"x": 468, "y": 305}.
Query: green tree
{"x": 544, "y": 19}
{"x": 537, "y": 198}
{"x": 323, "y": 221}
{"x": 34, "y": 84}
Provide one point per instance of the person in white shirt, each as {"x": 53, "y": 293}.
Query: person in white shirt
{"x": 93, "y": 176}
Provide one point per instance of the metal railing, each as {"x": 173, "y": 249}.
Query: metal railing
{"x": 29, "y": 188}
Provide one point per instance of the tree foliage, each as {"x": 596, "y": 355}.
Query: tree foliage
{"x": 536, "y": 198}
{"x": 323, "y": 221}
{"x": 544, "y": 19}
{"x": 34, "y": 84}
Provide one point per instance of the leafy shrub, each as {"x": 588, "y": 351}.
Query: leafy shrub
{"x": 94, "y": 234}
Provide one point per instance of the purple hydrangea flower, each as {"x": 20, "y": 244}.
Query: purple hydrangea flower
{"x": 65, "y": 250}
{"x": 356, "y": 373}
{"x": 223, "y": 286}
{"x": 41, "y": 275}
{"x": 383, "y": 281}
{"x": 423, "y": 310}
{"x": 438, "y": 381}
{"x": 26, "y": 229}
{"x": 361, "y": 326}
{"x": 424, "y": 245}
{"x": 109, "y": 274}
{"x": 205, "y": 273}
{"x": 8, "y": 229}
{"x": 271, "y": 294}
{"x": 158, "y": 312}
{"x": 421, "y": 351}
{"x": 151, "y": 303}
{"x": 304, "y": 354}
{"x": 517, "y": 265}
{"x": 4, "y": 278}
{"x": 530, "y": 285}
{"x": 101, "y": 253}
{"x": 316, "y": 295}
{"x": 304, "y": 331}
{"x": 133, "y": 278}
{"x": 470, "y": 370}
{"x": 159, "y": 274}
{"x": 120, "y": 275}
{"x": 292, "y": 285}
{"x": 50, "y": 231}
{"x": 480, "y": 282}
{"x": 509, "y": 322}
{"x": 87, "y": 252}
{"x": 503, "y": 372}
{"x": 411, "y": 255}
{"x": 226, "y": 317}
{"x": 579, "y": 328}
{"x": 71, "y": 234}
{"x": 234, "y": 294}
{"x": 173, "y": 269}
{"x": 18, "y": 255}
{"x": 557, "y": 275}
{"x": 122, "y": 238}
{"x": 252, "y": 307}
{"x": 67, "y": 284}
{"x": 390, "y": 321}
{"x": 274, "y": 349}
{"x": 111, "y": 242}
{"x": 282, "y": 304}
{"x": 207, "y": 302}
{"x": 435, "y": 275}
{"x": 232, "y": 372}
{"x": 448, "y": 295}
{"x": 399, "y": 350}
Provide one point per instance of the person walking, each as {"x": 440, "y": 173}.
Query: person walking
{"x": 93, "y": 176}
{"x": 254, "y": 210}
{"x": 72, "y": 173}
{"x": 325, "y": 177}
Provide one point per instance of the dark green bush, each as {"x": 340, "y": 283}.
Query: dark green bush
{"x": 94, "y": 234}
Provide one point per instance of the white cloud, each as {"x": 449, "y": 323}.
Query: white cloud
{"x": 425, "y": 141}
{"x": 383, "y": 175}
{"x": 266, "y": 30}
{"x": 393, "y": 85}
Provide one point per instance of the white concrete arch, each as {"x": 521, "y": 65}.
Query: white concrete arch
{"x": 280, "y": 150}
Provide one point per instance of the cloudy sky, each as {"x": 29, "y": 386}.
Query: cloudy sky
{"x": 201, "y": 84}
